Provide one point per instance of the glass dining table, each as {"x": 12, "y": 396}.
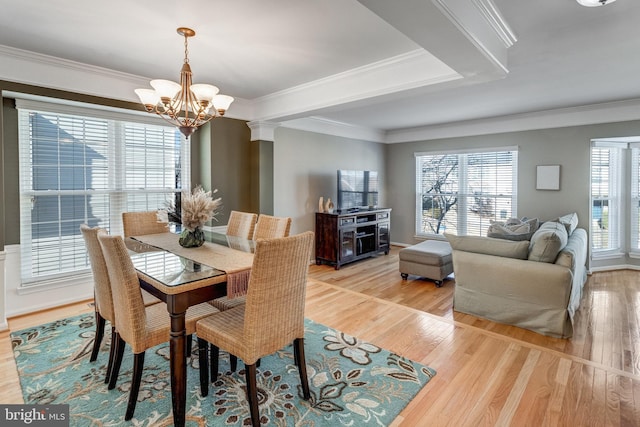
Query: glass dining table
{"x": 181, "y": 280}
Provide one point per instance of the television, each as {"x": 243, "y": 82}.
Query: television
{"x": 357, "y": 189}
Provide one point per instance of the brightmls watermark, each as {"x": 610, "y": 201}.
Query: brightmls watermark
{"x": 34, "y": 415}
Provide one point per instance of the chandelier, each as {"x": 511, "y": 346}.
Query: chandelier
{"x": 184, "y": 105}
{"x": 592, "y": 3}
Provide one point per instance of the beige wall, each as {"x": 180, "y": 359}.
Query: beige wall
{"x": 222, "y": 159}
{"x": 305, "y": 169}
{"x": 227, "y": 166}
{"x": 290, "y": 174}
{"x": 569, "y": 147}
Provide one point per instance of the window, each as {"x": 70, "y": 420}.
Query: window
{"x": 79, "y": 165}
{"x": 606, "y": 179}
{"x": 462, "y": 192}
{"x": 615, "y": 197}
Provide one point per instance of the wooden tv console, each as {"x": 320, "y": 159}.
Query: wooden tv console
{"x": 348, "y": 236}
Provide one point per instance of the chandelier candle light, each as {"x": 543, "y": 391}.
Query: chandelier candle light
{"x": 184, "y": 105}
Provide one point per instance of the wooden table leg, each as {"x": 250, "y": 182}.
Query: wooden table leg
{"x": 178, "y": 363}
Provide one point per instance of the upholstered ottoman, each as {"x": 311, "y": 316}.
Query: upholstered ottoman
{"x": 431, "y": 259}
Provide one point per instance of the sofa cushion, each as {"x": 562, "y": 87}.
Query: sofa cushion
{"x": 489, "y": 246}
{"x": 570, "y": 222}
{"x": 547, "y": 242}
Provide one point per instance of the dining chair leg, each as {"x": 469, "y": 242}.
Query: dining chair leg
{"x": 138, "y": 367}
{"x": 252, "y": 394}
{"x": 112, "y": 355}
{"x": 296, "y": 354}
{"x": 117, "y": 361}
{"x": 214, "y": 355}
{"x": 204, "y": 366}
{"x": 100, "y": 321}
{"x": 233, "y": 362}
{"x": 298, "y": 346}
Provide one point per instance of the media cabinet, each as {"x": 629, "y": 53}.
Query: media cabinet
{"x": 348, "y": 236}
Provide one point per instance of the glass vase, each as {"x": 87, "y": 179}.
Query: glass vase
{"x": 191, "y": 239}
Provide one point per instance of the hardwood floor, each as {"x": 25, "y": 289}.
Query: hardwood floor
{"x": 487, "y": 373}
{"x": 607, "y": 326}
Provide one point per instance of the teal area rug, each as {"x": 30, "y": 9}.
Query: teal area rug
{"x": 353, "y": 383}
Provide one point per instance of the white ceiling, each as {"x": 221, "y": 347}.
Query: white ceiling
{"x": 371, "y": 63}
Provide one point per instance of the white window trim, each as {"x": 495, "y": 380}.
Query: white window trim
{"x": 624, "y": 215}
{"x": 53, "y": 106}
{"x": 418, "y": 194}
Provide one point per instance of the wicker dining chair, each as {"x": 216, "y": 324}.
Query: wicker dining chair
{"x": 241, "y": 224}
{"x": 272, "y": 317}
{"x": 140, "y": 223}
{"x": 139, "y": 326}
{"x": 103, "y": 300}
{"x": 269, "y": 227}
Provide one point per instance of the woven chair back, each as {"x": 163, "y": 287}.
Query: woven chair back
{"x": 241, "y": 224}
{"x": 274, "y": 311}
{"x": 102, "y": 294}
{"x": 127, "y": 295}
{"x": 140, "y": 223}
{"x": 269, "y": 227}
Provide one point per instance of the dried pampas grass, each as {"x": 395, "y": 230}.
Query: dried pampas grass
{"x": 199, "y": 207}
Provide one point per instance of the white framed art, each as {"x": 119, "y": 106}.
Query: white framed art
{"x": 548, "y": 177}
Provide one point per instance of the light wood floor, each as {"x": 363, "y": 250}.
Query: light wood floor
{"x": 488, "y": 374}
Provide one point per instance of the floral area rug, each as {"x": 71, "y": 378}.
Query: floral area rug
{"x": 353, "y": 383}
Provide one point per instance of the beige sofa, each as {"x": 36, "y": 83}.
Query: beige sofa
{"x": 535, "y": 284}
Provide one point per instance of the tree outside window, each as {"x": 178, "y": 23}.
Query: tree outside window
{"x": 463, "y": 192}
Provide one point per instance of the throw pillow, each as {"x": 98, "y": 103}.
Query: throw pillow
{"x": 547, "y": 242}
{"x": 534, "y": 224}
{"x": 517, "y": 232}
{"x": 489, "y": 246}
{"x": 513, "y": 229}
{"x": 570, "y": 222}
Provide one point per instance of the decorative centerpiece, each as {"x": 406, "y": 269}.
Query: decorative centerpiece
{"x": 198, "y": 207}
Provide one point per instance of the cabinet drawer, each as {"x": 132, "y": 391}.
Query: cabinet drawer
{"x": 347, "y": 221}
{"x": 383, "y": 215}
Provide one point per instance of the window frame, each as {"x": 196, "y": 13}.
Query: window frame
{"x": 465, "y": 197}
{"x": 123, "y": 126}
{"x": 616, "y": 177}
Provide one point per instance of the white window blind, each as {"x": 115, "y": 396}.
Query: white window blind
{"x": 87, "y": 166}
{"x": 634, "y": 203}
{"x": 462, "y": 192}
{"x": 606, "y": 201}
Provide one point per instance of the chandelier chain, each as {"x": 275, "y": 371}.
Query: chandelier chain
{"x": 186, "y": 49}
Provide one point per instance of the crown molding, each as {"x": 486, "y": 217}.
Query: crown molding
{"x": 410, "y": 70}
{"x": 496, "y": 21}
{"x": 483, "y": 29}
{"x": 34, "y": 57}
{"x": 335, "y": 128}
{"x": 592, "y": 114}
{"x": 262, "y": 130}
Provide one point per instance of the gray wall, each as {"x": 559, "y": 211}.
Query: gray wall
{"x": 305, "y": 166}
{"x": 569, "y": 147}
{"x": 222, "y": 159}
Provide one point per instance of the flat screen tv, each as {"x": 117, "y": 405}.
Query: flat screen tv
{"x": 357, "y": 189}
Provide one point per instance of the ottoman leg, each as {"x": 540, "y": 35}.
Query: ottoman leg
{"x": 438, "y": 283}
{"x": 404, "y": 276}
